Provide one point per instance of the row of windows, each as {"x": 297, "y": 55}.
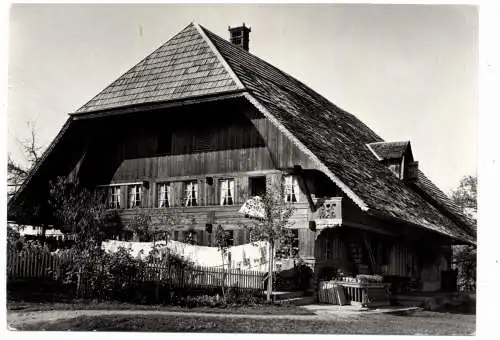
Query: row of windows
{"x": 190, "y": 195}
{"x": 134, "y": 196}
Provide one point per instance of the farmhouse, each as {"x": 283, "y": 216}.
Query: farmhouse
{"x": 201, "y": 125}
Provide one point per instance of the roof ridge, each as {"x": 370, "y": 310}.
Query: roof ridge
{"x": 201, "y": 31}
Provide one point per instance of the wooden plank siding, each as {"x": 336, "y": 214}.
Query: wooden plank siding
{"x": 204, "y": 143}
{"x": 330, "y": 249}
{"x": 227, "y": 216}
{"x": 140, "y": 149}
{"x": 401, "y": 261}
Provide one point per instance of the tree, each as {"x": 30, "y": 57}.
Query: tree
{"x": 465, "y": 256}
{"x": 82, "y": 212}
{"x": 275, "y": 225}
{"x": 222, "y": 242}
{"x": 16, "y": 173}
{"x": 465, "y": 196}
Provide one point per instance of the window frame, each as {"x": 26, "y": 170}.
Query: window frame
{"x": 111, "y": 195}
{"x": 187, "y": 200}
{"x": 140, "y": 194}
{"x": 168, "y": 192}
{"x": 230, "y": 185}
{"x": 251, "y": 185}
{"x": 291, "y": 188}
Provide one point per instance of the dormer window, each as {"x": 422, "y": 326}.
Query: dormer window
{"x": 398, "y": 158}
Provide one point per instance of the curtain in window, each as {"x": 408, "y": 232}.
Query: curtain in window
{"x": 134, "y": 196}
{"x": 223, "y": 192}
{"x": 231, "y": 192}
{"x": 114, "y": 197}
{"x": 187, "y": 202}
{"x": 131, "y": 197}
{"x": 195, "y": 194}
{"x": 295, "y": 186}
{"x": 164, "y": 200}
{"x": 191, "y": 194}
{"x": 117, "y": 196}
{"x": 227, "y": 192}
{"x": 291, "y": 189}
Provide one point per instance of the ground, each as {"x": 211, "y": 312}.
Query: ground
{"x": 290, "y": 319}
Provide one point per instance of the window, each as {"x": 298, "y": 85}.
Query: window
{"x": 226, "y": 191}
{"x": 164, "y": 143}
{"x": 164, "y": 195}
{"x": 190, "y": 194}
{"x": 291, "y": 189}
{"x": 114, "y": 197}
{"x": 134, "y": 196}
{"x": 257, "y": 185}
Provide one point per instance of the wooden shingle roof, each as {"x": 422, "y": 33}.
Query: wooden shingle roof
{"x": 389, "y": 150}
{"x": 196, "y": 62}
{"x": 185, "y": 66}
{"x": 338, "y": 139}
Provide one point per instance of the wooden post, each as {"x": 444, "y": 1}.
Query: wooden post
{"x": 270, "y": 272}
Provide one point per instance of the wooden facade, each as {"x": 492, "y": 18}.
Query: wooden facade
{"x": 209, "y": 143}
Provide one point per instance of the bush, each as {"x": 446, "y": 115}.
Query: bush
{"x": 232, "y": 298}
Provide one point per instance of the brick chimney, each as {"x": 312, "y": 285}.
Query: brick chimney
{"x": 240, "y": 36}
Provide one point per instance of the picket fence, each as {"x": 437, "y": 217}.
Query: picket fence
{"x": 35, "y": 264}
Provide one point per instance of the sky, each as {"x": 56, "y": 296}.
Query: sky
{"x": 407, "y": 71}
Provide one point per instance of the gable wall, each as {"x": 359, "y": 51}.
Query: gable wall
{"x": 210, "y": 140}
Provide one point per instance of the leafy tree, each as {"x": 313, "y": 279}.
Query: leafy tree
{"x": 465, "y": 196}
{"x": 82, "y": 212}
{"x": 465, "y": 256}
{"x": 275, "y": 225}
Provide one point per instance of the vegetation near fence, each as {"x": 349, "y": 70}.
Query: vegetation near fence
{"x": 124, "y": 270}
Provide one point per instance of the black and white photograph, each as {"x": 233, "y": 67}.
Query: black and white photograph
{"x": 242, "y": 168}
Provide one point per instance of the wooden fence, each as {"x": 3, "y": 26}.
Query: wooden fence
{"x": 35, "y": 264}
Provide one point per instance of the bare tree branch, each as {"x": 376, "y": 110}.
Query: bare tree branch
{"x": 16, "y": 173}
{"x": 30, "y": 145}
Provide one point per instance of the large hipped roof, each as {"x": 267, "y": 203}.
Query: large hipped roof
{"x": 196, "y": 62}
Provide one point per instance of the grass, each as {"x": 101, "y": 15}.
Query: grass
{"x": 424, "y": 323}
{"x": 15, "y": 306}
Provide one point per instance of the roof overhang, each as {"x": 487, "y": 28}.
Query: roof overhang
{"x": 454, "y": 239}
{"x": 321, "y": 166}
{"x": 157, "y": 106}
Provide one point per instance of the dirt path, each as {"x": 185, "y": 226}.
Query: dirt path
{"x": 17, "y": 319}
